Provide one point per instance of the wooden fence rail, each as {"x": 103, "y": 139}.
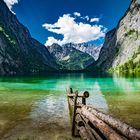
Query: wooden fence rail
{"x": 92, "y": 124}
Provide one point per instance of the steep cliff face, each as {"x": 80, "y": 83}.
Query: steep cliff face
{"x": 128, "y": 35}
{"x": 70, "y": 58}
{"x": 19, "y": 52}
{"x": 122, "y": 44}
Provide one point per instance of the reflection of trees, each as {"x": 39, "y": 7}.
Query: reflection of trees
{"x": 126, "y": 85}
{"x": 55, "y": 104}
{"x": 83, "y": 82}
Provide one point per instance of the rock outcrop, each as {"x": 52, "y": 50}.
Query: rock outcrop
{"x": 19, "y": 52}
{"x": 122, "y": 44}
{"x": 90, "y": 49}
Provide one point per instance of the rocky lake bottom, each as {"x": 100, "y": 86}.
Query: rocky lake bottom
{"x": 36, "y": 108}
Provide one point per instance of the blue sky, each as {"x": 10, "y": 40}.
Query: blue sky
{"x": 34, "y": 13}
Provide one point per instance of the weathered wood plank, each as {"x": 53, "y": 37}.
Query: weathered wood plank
{"x": 108, "y": 132}
{"x": 80, "y": 123}
{"x": 92, "y": 130}
{"x": 85, "y": 94}
{"x": 74, "y": 114}
{"x": 123, "y": 128}
{"x": 84, "y": 134}
{"x": 111, "y": 128}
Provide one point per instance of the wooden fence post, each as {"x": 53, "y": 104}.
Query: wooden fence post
{"x": 86, "y": 94}
{"x": 74, "y": 113}
{"x": 71, "y": 90}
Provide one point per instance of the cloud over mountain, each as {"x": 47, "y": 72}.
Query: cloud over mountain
{"x": 77, "y": 14}
{"x": 72, "y": 31}
{"x": 10, "y": 3}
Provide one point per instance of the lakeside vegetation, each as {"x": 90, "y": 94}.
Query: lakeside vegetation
{"x": 131, "y": 66}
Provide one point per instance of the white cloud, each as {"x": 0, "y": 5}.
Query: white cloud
{"x": 77, "y": 14}
{"x": 94, "y": 20}
{"x": 52, "y": 40}
{"x": 72, "y": 31}
{"x": 87, "y": 18}
{"x": 10, "y": 3}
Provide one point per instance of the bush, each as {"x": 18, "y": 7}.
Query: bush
{"x": 131, "y": 32}
{"x": 137, "y": 68}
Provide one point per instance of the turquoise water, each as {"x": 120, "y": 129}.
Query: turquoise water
{"x": 36, "y": 107}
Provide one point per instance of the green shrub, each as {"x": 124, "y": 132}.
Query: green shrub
{"x": 1, "y": 29}
{"x": 137, "y": 68}
{"x": 131, "y": 32}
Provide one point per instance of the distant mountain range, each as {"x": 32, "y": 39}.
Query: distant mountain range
{"x": 69, "y": 56}
{"x": 90, "y": 49}
{"x": 21, "y": 54}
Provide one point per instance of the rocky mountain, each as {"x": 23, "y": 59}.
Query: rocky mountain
{"x": 90, "y": 49}
{"x": 121, "y": 50}
{"x": 70, "y": 58}
{"x": 19, "y": 52}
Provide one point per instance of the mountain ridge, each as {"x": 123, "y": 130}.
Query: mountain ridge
{"x": 69, "y": 58}
{"x": 19, "y": 52}
{"x": 121, "y": 44}
{"x": 90, "y": 49}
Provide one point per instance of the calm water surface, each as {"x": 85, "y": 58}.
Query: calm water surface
{"x": 36, "y": 108}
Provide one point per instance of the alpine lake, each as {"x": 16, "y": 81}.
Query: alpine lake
{"x": 36, "y": 107}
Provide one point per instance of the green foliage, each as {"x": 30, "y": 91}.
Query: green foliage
{"x": 19, "y": 55}
{"x": 136, "y": 53}
{"x": 1, "y": 29}
{"x": 137, "y": 68}
{"x": 117, "y": 50}
{"x": 76, "y": 61}
{"x": 8, "y": 36}
{"x": 132, "y": 32}
{"x": 111, "y": 70}
{"x": 11, "y": 41}
{"x": 134, "y": 56}
{"x": 125, "y": 27}
{"x": 129, "y": 67}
